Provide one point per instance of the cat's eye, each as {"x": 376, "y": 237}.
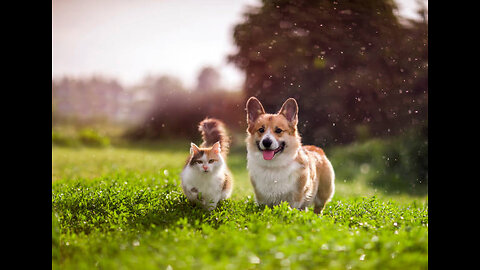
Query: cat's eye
{"x": 278, "y": 130}
{"x": 199, "y": 162}
{"x": 261, "y": 130}
{"x": 211, "y": 161}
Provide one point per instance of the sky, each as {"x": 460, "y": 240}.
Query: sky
{"x": 129, "y": 40}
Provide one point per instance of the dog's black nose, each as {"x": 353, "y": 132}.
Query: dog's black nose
{"x": 267, "y": 142}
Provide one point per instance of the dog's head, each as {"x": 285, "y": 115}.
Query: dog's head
{"x": 272, "y": 134}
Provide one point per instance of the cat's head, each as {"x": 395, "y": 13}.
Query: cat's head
{"x": 206, "y": 160}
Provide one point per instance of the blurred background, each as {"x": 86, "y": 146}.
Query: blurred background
{"x": 137, "y": 72}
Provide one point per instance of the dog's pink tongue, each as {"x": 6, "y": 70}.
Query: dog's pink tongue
{"x": 268, "y": 154}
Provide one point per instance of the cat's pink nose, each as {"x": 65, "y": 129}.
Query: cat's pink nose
{"x": 205, "y": 167}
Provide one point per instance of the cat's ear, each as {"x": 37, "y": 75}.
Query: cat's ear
{"x": 216, "y": 148}
{"x": 194, "y": 149}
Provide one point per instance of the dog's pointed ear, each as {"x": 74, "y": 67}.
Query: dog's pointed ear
{"x": 290, "y": 110}
{"x": 254, "y": 110}
{"x": 194, "y": 149}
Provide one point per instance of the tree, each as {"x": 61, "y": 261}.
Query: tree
{"x": 345, "y": 62}
{"x": 208, "y": 79}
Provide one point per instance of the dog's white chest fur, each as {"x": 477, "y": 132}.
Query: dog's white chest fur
{"x": 275, "y": 180}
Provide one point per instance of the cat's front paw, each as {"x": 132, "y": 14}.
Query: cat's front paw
{"x": 210, "y": 205}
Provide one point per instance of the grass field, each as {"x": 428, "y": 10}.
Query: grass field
{"x": 122, "y": 208}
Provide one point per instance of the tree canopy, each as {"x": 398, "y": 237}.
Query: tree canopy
{"x": 351, "y": 65}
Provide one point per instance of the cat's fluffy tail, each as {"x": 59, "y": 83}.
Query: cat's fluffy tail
{"x": 213, "y": 130}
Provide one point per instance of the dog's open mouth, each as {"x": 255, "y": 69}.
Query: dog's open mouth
{"x": 269, "y": 154}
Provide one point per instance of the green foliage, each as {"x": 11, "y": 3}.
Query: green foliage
{"x": 85, "y": 136}
{"x": 124, "y": 209}
{"x": 55, "y": 238}
{"x": 145, "y": 223}
{"x": 58, "y": 138}
{"x": 398, "y": 164}
{"x": 91, "y": 137}
{"x": 345, "y": 62}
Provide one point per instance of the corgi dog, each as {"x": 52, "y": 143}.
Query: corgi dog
{"x": 280, "y": 167}
{"x": 205, "y": 178}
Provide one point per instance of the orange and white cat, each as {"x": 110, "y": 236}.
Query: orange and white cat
{"x": 280, "y": 167}
{"x": 206, "y": 179}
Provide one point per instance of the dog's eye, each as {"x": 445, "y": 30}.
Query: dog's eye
{"x": 261, "y": 130}
{"x": 277, "y": 130}
{"x": 211, "y": 161}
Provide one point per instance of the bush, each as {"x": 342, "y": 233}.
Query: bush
{"x": 91, "y": 137}
{"x": 395, "y": 164}
{"x": 177, "y": 114}
{"x": 59, "y": 138}
{"x": 410, "y": 157}
{"x": 86, "y": 136}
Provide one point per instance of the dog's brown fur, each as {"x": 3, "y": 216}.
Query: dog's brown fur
{"x": 308, "y": 176}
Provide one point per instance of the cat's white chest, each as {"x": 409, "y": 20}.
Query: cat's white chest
{"x": 208, "y": 185}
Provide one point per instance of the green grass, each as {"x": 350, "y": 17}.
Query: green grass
{"x": 123, "y": 208}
